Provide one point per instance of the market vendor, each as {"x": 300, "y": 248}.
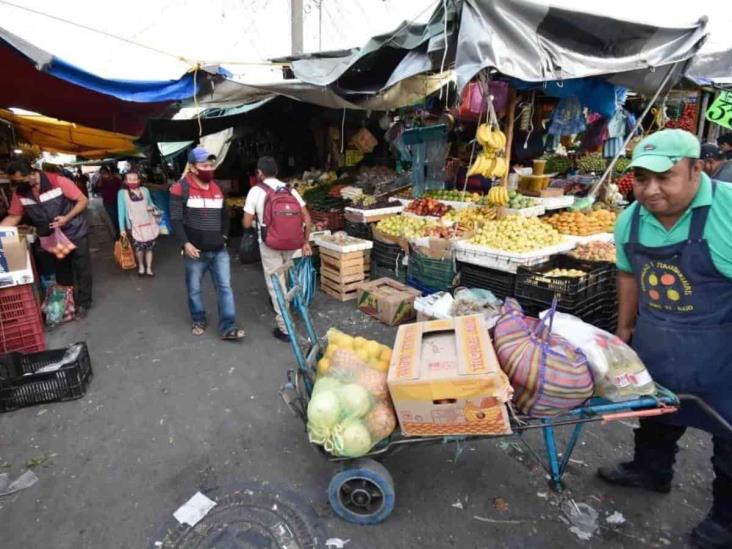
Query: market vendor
{"x": 674, "y": 256}
{"x": 50, "y": 201}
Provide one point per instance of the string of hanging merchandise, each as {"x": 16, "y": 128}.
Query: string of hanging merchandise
{"x": 195, "y": 102}
{"x": 475, "y": 141}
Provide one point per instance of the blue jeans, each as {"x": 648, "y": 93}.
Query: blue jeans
{"x": 219, "y": 266}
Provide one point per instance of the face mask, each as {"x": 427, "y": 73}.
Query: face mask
{"x": 205, "y": 175}
{"x": 133, "y": 185}
{"x": 23, "y": 188}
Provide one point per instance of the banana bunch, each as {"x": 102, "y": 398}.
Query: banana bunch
{"x": 491, "y": 140}
{"x": 488, "y": 163}
{"x": 498, "y": 196}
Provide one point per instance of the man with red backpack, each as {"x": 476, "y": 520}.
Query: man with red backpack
{"x": 284, "y": 227}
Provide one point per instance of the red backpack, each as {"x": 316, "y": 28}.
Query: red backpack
{"x": 282, "y": 226}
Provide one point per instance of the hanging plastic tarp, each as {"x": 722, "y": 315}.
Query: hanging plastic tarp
{"x": 54, "y": 135}
{"x": 595, "y": 94}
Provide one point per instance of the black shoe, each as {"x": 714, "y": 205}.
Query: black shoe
{"x": 626, "y": 474}
{"x": 81, "y": 313}
{"x": 279, "y": 334}
{"x": 711, "y": 534}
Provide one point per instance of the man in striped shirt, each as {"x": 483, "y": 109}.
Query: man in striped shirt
{"x": 201, "y": 224}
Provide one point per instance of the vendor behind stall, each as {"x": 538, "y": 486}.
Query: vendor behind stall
{"x": 675, "y": 301}
{"x": 52, "y": 201}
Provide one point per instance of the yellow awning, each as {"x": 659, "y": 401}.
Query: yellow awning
{"x": 54, "y": 135}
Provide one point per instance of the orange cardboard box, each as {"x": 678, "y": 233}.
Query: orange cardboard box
{"x": 444, "y": 379}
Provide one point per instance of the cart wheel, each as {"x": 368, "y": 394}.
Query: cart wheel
{"x": 362, "y": 492}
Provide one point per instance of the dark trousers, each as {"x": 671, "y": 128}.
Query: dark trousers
{"x": 655, "y": 451}
{"x": 75, "y": 270}
{"x": 113, "y": 214}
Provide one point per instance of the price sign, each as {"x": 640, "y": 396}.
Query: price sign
{"x": 720, "y": 112}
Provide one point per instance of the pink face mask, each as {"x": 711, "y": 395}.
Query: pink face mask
{"x": 135, "y": 185}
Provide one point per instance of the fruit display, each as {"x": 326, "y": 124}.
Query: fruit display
{"x": 583, "y": 224}
{"x": 517, "y": 201}
{"x": 625, "y": 184}
{"x": 558, "y": 164}
{"x": 349, "y": 409}
{"x": 404, "y": 226}
{"x": 324, "y": 198}
{"x": 591, "y": 163}
{"x": 234, "y": 202}
{"x": 488, "y": 163}
{"x": 427, "y": 207}
{"x": 557, "y": 273}
{"x": 595, "y": 251}
{"x": 498, "y": 196}
{"x": 471, "y": 218}
{"x": 442, "y": 231}
{"x": 621, "y": 164}
{"x": 516, "y": 233}
{"x": 311, "y": 179}
{"x": 452, "y": 196}
{"x": 687, "y": 121}
{"x": 351, "y": 193}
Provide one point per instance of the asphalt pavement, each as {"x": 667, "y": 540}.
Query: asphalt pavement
{"x": 168, "y": 414}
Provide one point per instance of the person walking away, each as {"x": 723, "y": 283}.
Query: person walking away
{"x": 135, "y": 212}
{"x": 108, "y": 186}
{"x": 675, "y": 302}
{"x": 51, "y": 201}
{"x": 283, "y": 221}
{"x": 200, "y": 222}
{"x": 715, "y": 165}
{"x": 82, "y": 181}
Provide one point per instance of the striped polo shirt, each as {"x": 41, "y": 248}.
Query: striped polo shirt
{"x": 198, "y": 215}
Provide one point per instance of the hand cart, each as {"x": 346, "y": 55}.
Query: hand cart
{"x": 362, "y": 491}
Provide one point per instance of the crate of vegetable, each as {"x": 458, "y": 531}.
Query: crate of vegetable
{"x": 568, "y": 279}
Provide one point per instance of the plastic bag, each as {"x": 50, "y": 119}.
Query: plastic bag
{"x": 548, "y": 373}
{"x": 59, "y": 304}
{"x": 57, "y": 243}
{"x": 249, "y": 247}
{"x": 618, "y": 371}
{"x": 350, "y": 410}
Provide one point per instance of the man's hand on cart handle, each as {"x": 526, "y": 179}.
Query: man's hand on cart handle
{"x": 626, "y": 334}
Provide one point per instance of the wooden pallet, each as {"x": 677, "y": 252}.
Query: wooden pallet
{"x": 341, "y": 292}
{"x": 340, "y": 261}
{"x": 341, "y": 278}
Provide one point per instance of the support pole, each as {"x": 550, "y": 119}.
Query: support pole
{"x": 512, "y": 101}
{"x": 296, "y": 26}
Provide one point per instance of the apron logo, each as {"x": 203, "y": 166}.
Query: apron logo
{"x": 666, "y": 287}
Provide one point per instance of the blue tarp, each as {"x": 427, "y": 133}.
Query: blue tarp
{"x": 595, "y": 94}
{"x": 139, "y": 91}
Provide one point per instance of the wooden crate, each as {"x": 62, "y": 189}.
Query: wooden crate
{"x": 341, "y": 273}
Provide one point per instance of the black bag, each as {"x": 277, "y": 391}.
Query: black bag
{"x": 249, "y": 247}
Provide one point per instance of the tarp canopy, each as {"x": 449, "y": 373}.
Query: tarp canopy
{"x": 64, "y": 137}
{"x": 26, "y": 87}
{"x": 711, "y": 69}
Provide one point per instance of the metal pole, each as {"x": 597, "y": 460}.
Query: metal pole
{"x": 702, "y": 112}
{"x": 596, "y": 187}
{"x": 296, "y": 25}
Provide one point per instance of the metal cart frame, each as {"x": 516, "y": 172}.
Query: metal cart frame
{"x": 362, "y": 491}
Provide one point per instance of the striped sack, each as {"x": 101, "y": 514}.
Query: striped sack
{"x": 547, "y": 372}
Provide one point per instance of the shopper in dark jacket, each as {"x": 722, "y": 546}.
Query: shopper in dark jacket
{"x": 201, "y": 224}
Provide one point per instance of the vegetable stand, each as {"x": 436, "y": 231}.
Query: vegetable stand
{"x": 362, "y": 491}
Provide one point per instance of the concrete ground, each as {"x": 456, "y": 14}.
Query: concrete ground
{"x": 168, "y": 414}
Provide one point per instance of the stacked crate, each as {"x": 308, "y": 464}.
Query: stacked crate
{"x": 342, "y": 272}
{"x": 21, "y": 323}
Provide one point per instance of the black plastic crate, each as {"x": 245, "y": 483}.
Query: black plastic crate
{"x": 67, "y": 383}
{"x": 417, "y": 285}
{"x": 501, "y": 283}
{"x": 600, "y": 311}
{"x": 381, "y": 271}
{"x": 387, "y": 255}
{"x": 359, "y": 230}
{"x": 569, "y": 291}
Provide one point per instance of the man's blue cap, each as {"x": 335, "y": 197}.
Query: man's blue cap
{"x": 199, "y": 154}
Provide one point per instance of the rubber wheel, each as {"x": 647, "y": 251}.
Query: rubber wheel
{"x": 362, "y": 492}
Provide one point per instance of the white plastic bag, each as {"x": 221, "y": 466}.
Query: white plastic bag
{"x": 618, "y": 371}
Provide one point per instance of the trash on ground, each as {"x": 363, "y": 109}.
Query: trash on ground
{"x": 615, "y": 518}
{"x": 336, "y": 543}
{"x": 500, "y": 504}
{"x": 26, "y": 480}
{"x": 458, "y": 504}
{"x": 193, "y": 510}
{"x": 496, "y": 521}
{"x": 582, "y": 517}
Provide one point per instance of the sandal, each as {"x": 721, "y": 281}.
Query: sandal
{"x": 198, "y": 328}
{"x": 235, "y": 334}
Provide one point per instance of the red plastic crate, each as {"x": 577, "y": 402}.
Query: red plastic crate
{"x": 18, "y": 303}
{"x": 25, "y": 336}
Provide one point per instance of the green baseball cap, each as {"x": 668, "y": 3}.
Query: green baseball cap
{"x": 661, "y": 150}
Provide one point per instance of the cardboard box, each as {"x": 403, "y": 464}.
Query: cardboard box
{"x": 16, "y": 263}
{"x": 444, "y": 379}
{"x": 388, "y": 300}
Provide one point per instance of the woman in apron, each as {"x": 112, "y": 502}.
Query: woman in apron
{"x": 136, "y": 214}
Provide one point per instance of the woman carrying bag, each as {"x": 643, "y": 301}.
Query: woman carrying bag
{"x": 136, "y": 214}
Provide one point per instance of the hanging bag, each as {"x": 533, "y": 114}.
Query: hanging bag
{"x": 123, "y": 254}
{"x": 548, "y": 374}
{"x": 249, "y": 247}
{"x": 57, "y": 243}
